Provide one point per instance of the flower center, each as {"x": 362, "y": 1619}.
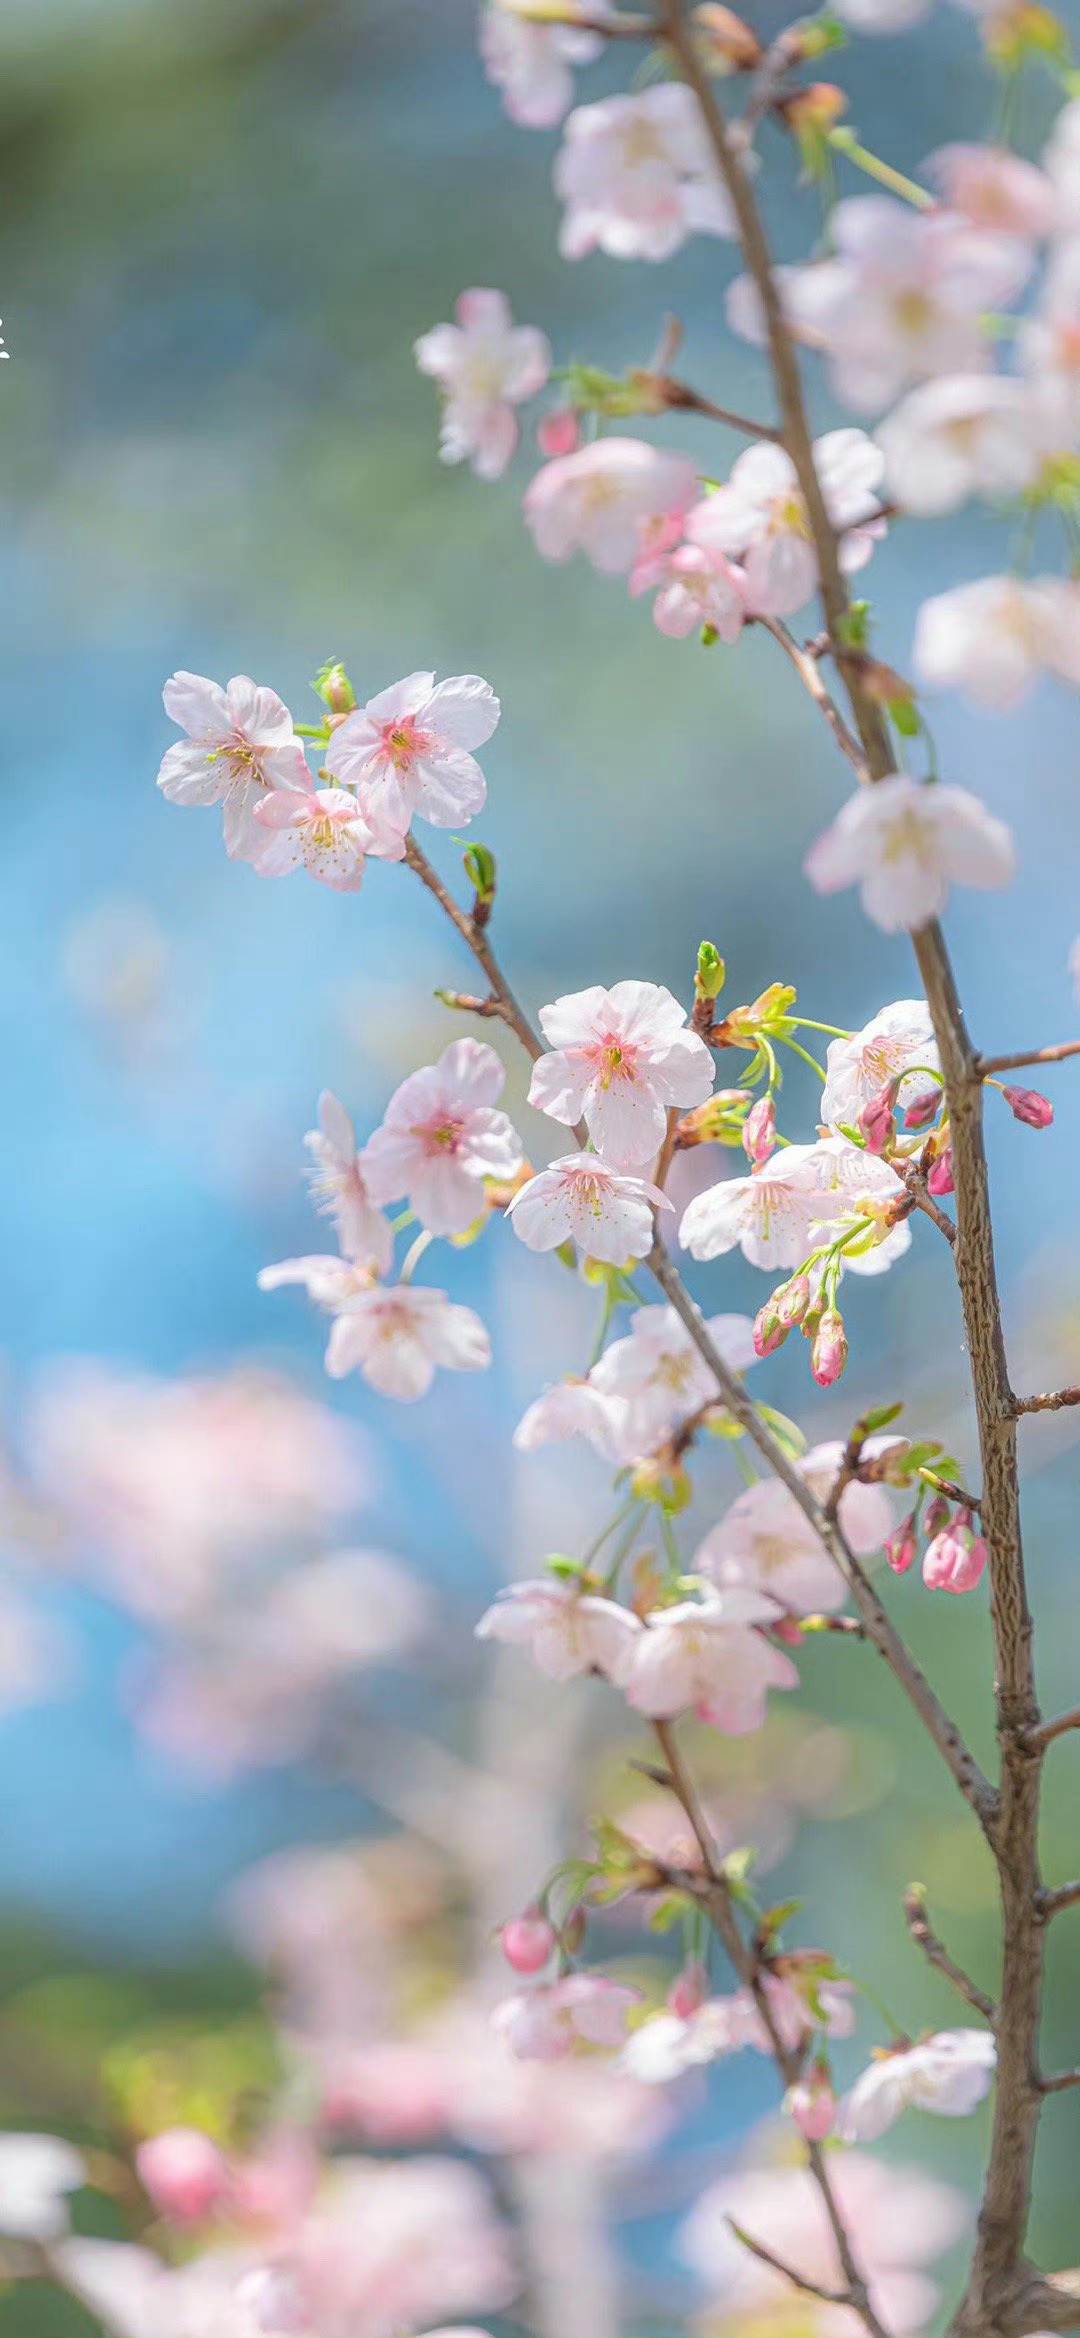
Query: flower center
{"x": 322, "y": 833}
{"x": 641, "y": 143}
{"x": 913, "y": 310}
{"x": 907, "y": 837}
{"x": 403, "y": 742}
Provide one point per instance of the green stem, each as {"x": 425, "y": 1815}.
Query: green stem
{"x": 845, "y": 142}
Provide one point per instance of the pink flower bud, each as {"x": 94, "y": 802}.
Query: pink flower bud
{"x": 769, "y": 1333}
{"x": 830, "y": 1350}
{"x": 877, "y": 1122}
{"x": 1027, "y": 1105}
{"x": 528, "y": 1942}
{"x": 791, "y": 1300}
{"x": 901, "y": 1548}
{"x": 940, "y": 1174}
{"x": 956, "y": 1559}
{"x": 812, "y": 2105}
{"x": 184, "y": 2173}
{"x": 689, "y": 1990}
{"x": 759, "y": 1131}
{"x": 786, "y": 1629}
{"x": 559, "y": 433}
{"x": 924, "y": 1109}
{"x": 938, "y": 1514}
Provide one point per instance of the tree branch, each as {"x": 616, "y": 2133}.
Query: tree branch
{"x": 985, "y": 1066}
{"x": 1052, "y": 1902}
{"x": 1055, "y": 1402}
{"x": 1048, "y": 1730}
{"x": 936, "y": 1953}
{"x": 831, "y": 2297}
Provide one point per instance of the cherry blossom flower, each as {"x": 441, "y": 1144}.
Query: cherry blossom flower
{"x": 694, "y": 588}
{"x": 599, "y": 500}
{"x": 339, "y": 1191}
{"x": 1049, "y": 343}
{"x": 620, "y": 1059}
{"x": 484, "y": 366}
{"x": 765, "y": 1543}
{"x": 530, "y": 62}
{"x": 759, "y": 517}
{"x": 136, "y": 2296}
{"x": 1061, "y": 162}
{"x": 528, "y": 1942}
{"x": 577, "y": 1408}
{"x": 36, "y": 2174}
{"x": 669, "y": 2044}
{"x": 883, "y": 16}
{"x": 441, "y": 1137}
{"x": 398, "y": 1338}
{"x": 994, "y": 189}
{"x": 955, "y": 1559}
{"x": 321, "y": 830}
{"x": 637, "y": 176}
{"x": 903, "y": 298}
{"x": 240, "y": 743}
{"x": 658, "y": 1372}
{"x": 992, "y": 640}
{"x": 389, "y": 2245}
{"x": 406, "y": 752}
{"x": 579, "y": 1199}
{"x": 565, "y": 1631}
{"x": 948, "y": 2073}
{"x": 802, "y": 1197}
{"x": 904, "y": 844}
{"x": 904, "y": 2219}
{"x": 865, "y": 1512}
{"x": 703, "y": 1656}
{"x": 812, "y": 2104}
{"x": 963, "y": 435}
{"x": 543, "y": 2025}
{"x": 896, "y": 1047}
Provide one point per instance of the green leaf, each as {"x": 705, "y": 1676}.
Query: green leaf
{"x": 880, "y": 1418}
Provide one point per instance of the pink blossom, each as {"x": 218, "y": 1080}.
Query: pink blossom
{"x": 184, "y": 2172}
{"x": 543, "y": 2025}
{"x": 441, "y": 1138}
{"x": 829, "y": 1349}
{"x": 36, "y": 2174}
{"x": 579, "y": 1199}
{"x": 903, "y": 2219}
{"x": 565, "y": 1631}
{"x": 993, "y": 639}
{"x": 240, "y": 743}
{"x": 812, "y": 2104}
{"x": 888, "y": 1056}
{"x": 670, "y": 2044}
{"x": 688, "y": 1990}
{"x": 955, "y": 1560}
{"x": 962, "y": 435}
{"x": 1028, "y": 1106}
{"x": 321, "y": 830}
{"x": 1049, "y": 344}
{"x": 390, "y": 2245}
{"x": 398, "y": 1338}
{"x": 759, "y": 1131}
{"x": 704, "y": 1656}
{"x": 136, "y": 2296}
{"x": 903, "y": 844}
{"x": 620, "y": 1060}
{"x": 328, "y": 1280}
{"x": 658, "y": 1372}
{"x": 948, "y": 2073}
{"x": 694, "y": 588}
{"x": 939, "y": 1176}
{"x": 558, "y": 432}
{"x": 484, "y": 366}
{"x": 904, "y": 296}
{"x": 577, "y": 1408}
{"x": 637, "y": 176}
{"x": 406, "y": 751}
{"x": 1061, "y": 162}
{"x": 800, "y": 1199}
{"x": 530, "y": 61}
{"x": 994, "y": 189}
{"x": 598, "y": 500}
{"x": 765, "y": 1543}
{"x": 528, "y": 1942}
{"x": 902, "y": 1548}
{"x": 339, "y": 1191}
{"x": 759, "y": 517}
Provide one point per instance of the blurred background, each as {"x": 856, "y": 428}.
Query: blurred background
{"x": 224, "y": 223}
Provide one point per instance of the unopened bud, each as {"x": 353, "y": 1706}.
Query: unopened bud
{"x": 939, "y": 1178}
{"x": 816, "y": 108}
{"x": 901, "y": 1547}
{"x": 1027, "y": 1105}
{"x": 184, "y": 2173}
{"x": 573, "y": 1931}
{"x": 688, "y": 1990}
{"x": 711, "y": 972}
{"x": 335, "y": 689}
{"x": 769, "y": 1333}
{"x": 830, "y": 1350}
{"x": 791, "y": 1300}
{"x": 759, "y": 1131}
{"x": 923, "y": 1109}
{"x": 528, "y": 1941}
{"x": 727, "y": 44}
{"x": 559, "y": 432}
{"x": 956, "y": 1559}
{"x": 812, "y": 2104}
{"x": 938, "y": 1513}
{"x": 877, "y": 1122}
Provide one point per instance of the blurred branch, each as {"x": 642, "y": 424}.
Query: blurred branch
{"x": 937, "y": 1954}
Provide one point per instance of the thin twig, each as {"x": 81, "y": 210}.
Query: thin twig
{"x": 1054, "y": 1402}
{"x": 910, "y": 1175}
{"x": 1047, "y": 1731}
{"x": 830, "y": 2297}
{"x": 1053, "y": 1903}
{"x": 936, "y": 1953}
{"x": 985, "y": 1066}
{"x": 809, "y": 673}
{"x": 1058, "y": 2083}
{"x": 683, "y": 400}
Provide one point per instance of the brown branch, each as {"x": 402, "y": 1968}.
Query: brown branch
{"x": 1048, "y": 1730}
{"x": 830, "y": 2297}
{"x": 810, "y": 674}
{"x": 936, "y": 1953}
{"x": 681, "y": 399}
{"x": 747, "y": 1964}
{"x": 1059, "y": 2082}
{"x": 491, "y": 1009}
{"x": 1052, "y": 1902}
{"x": 910, "y": 1175}
{"x": 985, "y": 1066}
{"x": 1054, "y": 1402}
